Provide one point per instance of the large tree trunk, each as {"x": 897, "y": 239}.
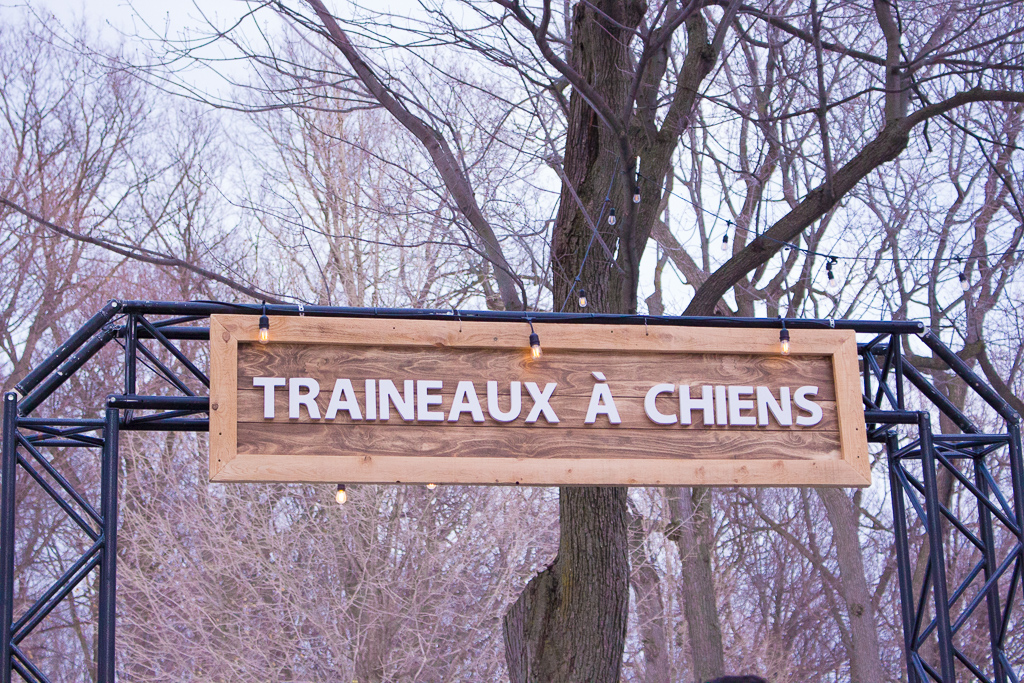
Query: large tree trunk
{"x": 569, "y": 625}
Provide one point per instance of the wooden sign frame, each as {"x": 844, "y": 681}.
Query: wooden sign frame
{"x": 608, "y": 459}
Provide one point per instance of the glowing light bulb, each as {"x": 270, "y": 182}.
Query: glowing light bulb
{"x": 341, "y": 496}
{"x": 431, "y": 486}
{"x": 264, "y": 333}
{"x": 965, "y": 284}
{"x": 784, "y": 342}
{"x": 535, "y": 345}
{"x": 636, "y": 195}
{"x": 583, "y": 298}
{"x": 611, "y": 216}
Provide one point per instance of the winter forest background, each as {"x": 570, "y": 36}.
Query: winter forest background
{"x": 242, "y": 160}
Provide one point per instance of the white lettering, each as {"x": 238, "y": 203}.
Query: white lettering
{"x": 540, "y": 402}
{"x": 465, "y": 401}
{"x": 371, "y": 399}
{"x": 736, "y": 404}
{"x": 721, "y": 407}
{"x": 687, "y": 403}
{"x": 800, "y": 398}
{"x": 343, "y": 398}
{"x": 766, "y": 401}
{"x": 515, "y": 402}
{"x": 602, "y": 403}
{"x": 424, "y": 399}
{"x": 296, "y": 399}
{"x": 651, "y": 407}
{"x": 389, "y": 396}
{"x": 268, "y": 384}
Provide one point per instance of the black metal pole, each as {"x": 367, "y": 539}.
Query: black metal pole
{"x": 130, "y": 342}
{"x": 192, "y": 308}
{"x": 897, "y": 341}
{"x": 940, "y": 591}
{"x": 51, "y": 382}
{"x": 902, "y": 543}
{"x": 1017, "y": 483}
{"x": 936, "y": 397}
{"x": 90, "y": 328}
{"x": 108, "y": 566}
{"x": 989, "y": 540}
{"x": 961, "y": 368}
{"x": 7, "y": 490}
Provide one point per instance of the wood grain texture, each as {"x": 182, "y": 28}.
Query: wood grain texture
{"x": 223, "y": 396}
{"x": 499, "y": 442}
{"x": 541, "y": 472}
{"x": 849, "y": 404}
{"x": 245, "y": 447}
{"x": 437, "y": 334}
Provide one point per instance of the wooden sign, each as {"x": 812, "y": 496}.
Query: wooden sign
{"x": 349, "y": 400}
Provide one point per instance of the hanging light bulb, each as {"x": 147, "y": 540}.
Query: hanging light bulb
{"x": 725, "y": 242}
{"x": 264, "y": 333}
{"x": 611, "y": 216}
{"x": 784, "y": 340}
{"x": 431, "y": 486}
{"x": 583, "y": 298}
{"x": 833, "y": 282}
{"x": 965, "y": 284}
{"x": 636, "y": 195}
{"x": 341, "y": 496}
{"x": 534, "y": 341}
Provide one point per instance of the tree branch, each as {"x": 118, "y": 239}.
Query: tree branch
{"x": 143, "y": 255}
{"x": 440, "y": 153}
{"x": 887, "y": 146}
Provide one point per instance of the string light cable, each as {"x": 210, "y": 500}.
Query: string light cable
{"x": 593, "y": 234}
{"x": 832, "y": 259}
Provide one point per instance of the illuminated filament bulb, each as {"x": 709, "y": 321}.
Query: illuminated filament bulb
{"x": 341, "y": 496}
{"x": 636, "y": 195}
{"x": 535, "y": 345}
{"x": 965, "y": 284}
{"x": 611, "y": 216}
{"x": 784, "y": 341}
{"x": 431, "y": 486}
{"x": 583, "y": 298}
{"x": 264, "y": 333}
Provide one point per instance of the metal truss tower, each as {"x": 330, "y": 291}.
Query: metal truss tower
{"x": 982, "y": 471}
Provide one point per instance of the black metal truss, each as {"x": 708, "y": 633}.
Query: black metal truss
{"x": 957, "y": 499}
